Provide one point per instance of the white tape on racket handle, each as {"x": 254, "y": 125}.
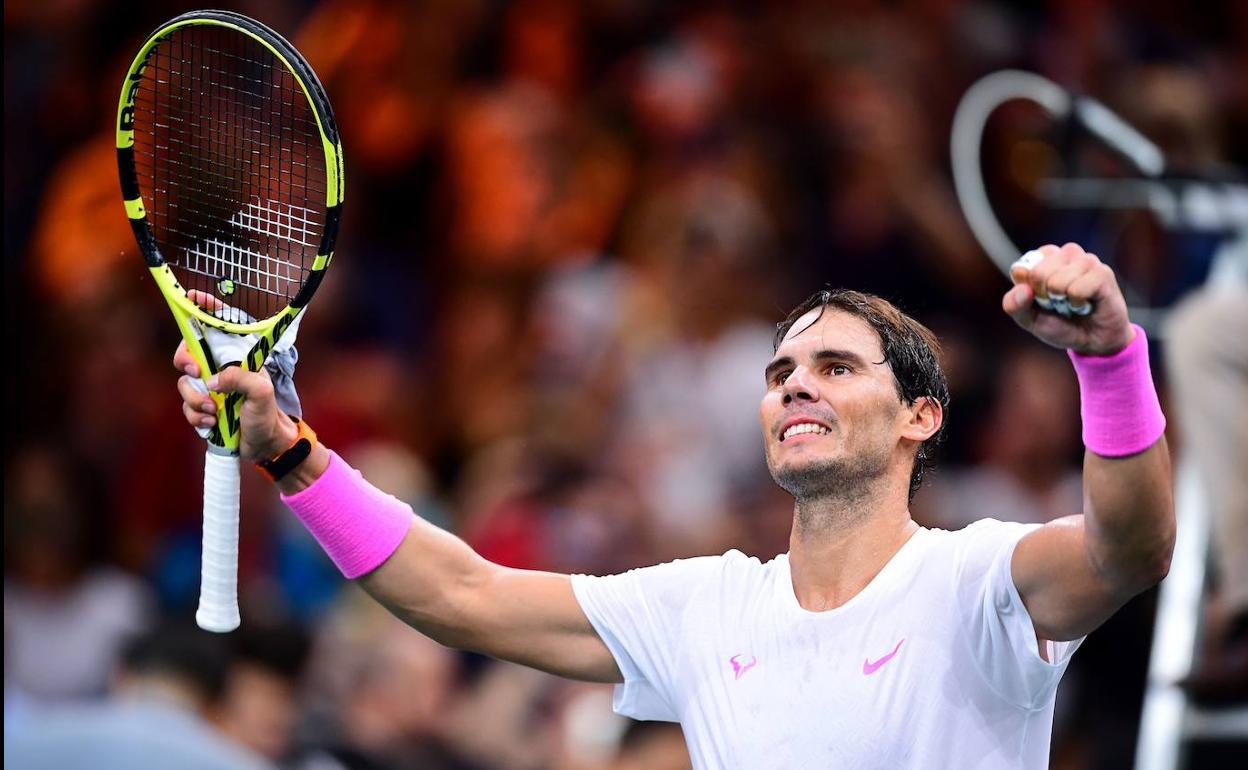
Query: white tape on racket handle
{"x": 199, "y": 385}
{"x": 1056, "y": 303}
{"x": 218, "y": 588}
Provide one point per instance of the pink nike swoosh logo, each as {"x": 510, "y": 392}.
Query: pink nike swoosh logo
{"x": 740, "y": 668}
{"x": 869, "y": 668}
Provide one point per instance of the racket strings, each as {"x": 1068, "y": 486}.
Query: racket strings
{"x": 230, "y": 160}
{"x": 220, "y": 260}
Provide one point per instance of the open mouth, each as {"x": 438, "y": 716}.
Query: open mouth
{"x": 803, "y": 428}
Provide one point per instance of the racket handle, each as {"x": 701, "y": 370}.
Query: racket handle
{"x": 1054, "y": 303}
{"x": 218, "y": 588}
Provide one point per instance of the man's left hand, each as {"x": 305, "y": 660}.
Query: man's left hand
{"x": 1080, "y": 278}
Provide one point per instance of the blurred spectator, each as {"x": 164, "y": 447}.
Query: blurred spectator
{"x": 588, "y": 730}
{"x": 80, "y": 244}
{"x": 502, "y": 718}
{"x": 560, "y": 513}
{"x": 593, "y": 737}
{"x": 679, "y": 95}
{"x": 890, "y": 224}
{"x": 381, "y": 695}
{"x": 389, "y": 65}
{"x": 1209, "y": 370}
{"x": 259, "y": 701}
{"x": 65, "y": 618}
{"x": 687, "y": 434}
{"x": 1025, "y": 469}
{"x": 156, "y": 719}
{"x": 652, "y": 746}
{"x": 1207, "y": 362}
{"x": 569, "y": 228}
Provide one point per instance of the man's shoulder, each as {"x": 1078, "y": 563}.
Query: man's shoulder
{"x": 739, "y": 566}
{"x": 972, "y": 550}
{"x": 731, "y": 564}
{"x": 981, "y": 530}
{"x": 732, "y": 573}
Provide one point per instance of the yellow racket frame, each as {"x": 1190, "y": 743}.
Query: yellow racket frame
{"x": 189, "y": 316}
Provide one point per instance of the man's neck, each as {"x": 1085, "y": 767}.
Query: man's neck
{"x": 837, "y": 547}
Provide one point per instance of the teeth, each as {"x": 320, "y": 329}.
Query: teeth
{"x": 804, "y": 427}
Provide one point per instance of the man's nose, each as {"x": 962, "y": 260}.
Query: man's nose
{"x": 800, "y": 386}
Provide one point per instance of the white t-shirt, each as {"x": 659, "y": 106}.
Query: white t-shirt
{"x": 934, "y": 664}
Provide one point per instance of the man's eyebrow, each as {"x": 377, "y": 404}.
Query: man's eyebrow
{"x": 776, "y": 365}
{"x": 820, "y": 356}
{"x": 847, "y": 356}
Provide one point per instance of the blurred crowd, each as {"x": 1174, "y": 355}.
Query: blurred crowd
{"x": 569, "y": 230}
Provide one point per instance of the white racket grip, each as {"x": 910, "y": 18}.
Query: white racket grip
{"x": 218, "y": 588}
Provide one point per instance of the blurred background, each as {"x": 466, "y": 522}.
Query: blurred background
{"x": 570, "y": 228}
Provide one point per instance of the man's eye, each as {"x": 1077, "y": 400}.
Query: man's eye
{"x": 840, "y": 369}
{"x": 780, "y": 377}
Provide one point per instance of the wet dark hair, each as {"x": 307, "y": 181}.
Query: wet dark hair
{"x": 911, "y": 351}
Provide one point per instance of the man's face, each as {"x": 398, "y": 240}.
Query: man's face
{"x": 831, "y": 414}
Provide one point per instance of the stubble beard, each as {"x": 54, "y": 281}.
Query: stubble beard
{"x": 831, "y": 492}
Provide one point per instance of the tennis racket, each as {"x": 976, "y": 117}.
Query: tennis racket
{"x": 232, "y": 176}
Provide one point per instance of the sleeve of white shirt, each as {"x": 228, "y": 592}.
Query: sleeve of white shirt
{"x": 1001, "y": 633}
{"x": 639, "y": 614}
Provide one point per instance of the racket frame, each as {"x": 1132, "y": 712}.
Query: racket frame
{"x": 188, "y": 315}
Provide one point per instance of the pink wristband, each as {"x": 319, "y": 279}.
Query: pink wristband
{"x": 358, "y": 525}
{"x": 1121, "y": 413}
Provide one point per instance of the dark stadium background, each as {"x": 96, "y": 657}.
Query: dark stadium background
{"x": 569, "y": 229}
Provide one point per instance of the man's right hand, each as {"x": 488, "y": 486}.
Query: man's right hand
{"x": 264, "y": 431}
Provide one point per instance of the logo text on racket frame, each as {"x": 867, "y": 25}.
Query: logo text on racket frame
{"x": 125, "y": 118}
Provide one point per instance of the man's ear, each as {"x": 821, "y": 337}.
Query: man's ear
{"x": 925, "y": 416}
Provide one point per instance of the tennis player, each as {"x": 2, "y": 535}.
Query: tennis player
{"x": 872, "y": 643}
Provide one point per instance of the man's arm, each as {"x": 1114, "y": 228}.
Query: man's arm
{"x": 1075, "y": 572}
{"x": 438, "y": 585}
{"x": 433, "y": 581}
